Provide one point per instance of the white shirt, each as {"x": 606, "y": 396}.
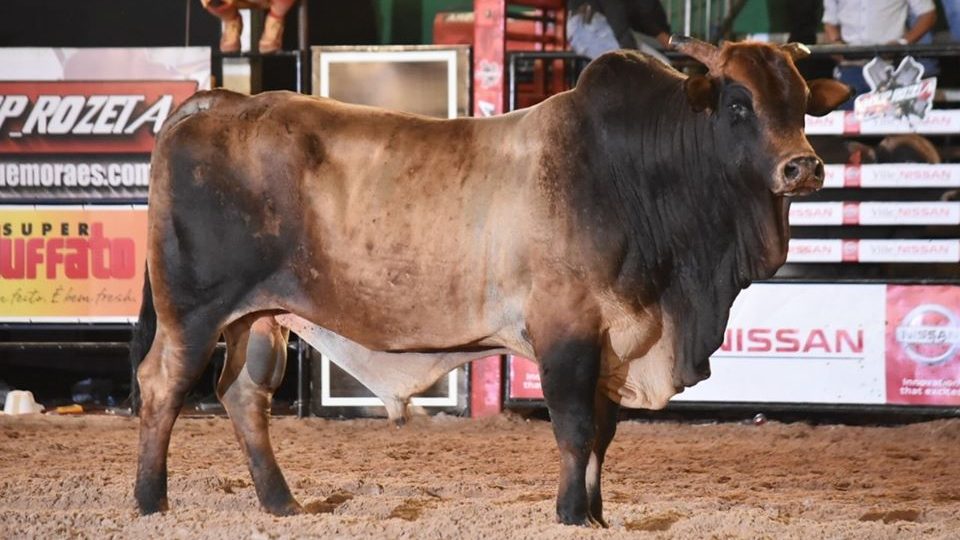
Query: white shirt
{"x": 872, "y": 22}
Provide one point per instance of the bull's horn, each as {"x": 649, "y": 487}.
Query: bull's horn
{"x": 796, "y": 50}
{"x": 705, "y": 53}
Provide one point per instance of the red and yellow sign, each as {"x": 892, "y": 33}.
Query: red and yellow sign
{"x": 71, "y": 263}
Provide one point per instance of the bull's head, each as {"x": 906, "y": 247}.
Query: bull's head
{"x": 759, "y": 100}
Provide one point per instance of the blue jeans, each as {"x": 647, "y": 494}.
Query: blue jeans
{"x": 951, "y": 8}
{"x": 593, "y": 39}
{"x": 853, "y": 77}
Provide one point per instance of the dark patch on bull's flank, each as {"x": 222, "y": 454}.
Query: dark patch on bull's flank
{"x": 221, "y": 246}
{"x": 313, "y": 150}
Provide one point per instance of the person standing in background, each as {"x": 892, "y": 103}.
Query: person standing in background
{"x": 873, "y": 22}
{"x": 598, "y": 26}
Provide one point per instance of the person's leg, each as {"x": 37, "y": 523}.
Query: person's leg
{"x": 272, "y": 38}
{"x": 931, "y": 67}
{"x": 951, "y": 9}
{"x": 852, "y": 76}
{"x": 231, "y": 23}
{"x": 591, "y": 39}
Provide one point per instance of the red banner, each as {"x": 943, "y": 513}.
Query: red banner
{"x": 70, "y": 117}
{"x": 923, "y": 345}
{"x": 524, "y": 379}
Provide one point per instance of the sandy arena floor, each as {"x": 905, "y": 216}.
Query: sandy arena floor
{"x": 444, "y": 477}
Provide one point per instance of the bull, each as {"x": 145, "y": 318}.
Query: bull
{"x": 604, "y": 233}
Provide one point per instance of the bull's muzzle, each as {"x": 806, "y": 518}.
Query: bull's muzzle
{"x": 800, "y": 175}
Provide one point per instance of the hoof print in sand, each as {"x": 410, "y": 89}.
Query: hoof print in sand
{"x": 328, "y": 505}
{"x": 409, "y": 510}
{"x": 657, "y": 522}
{"x": 891, "y": 516}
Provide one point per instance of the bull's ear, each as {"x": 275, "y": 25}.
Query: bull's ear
{"x": 826, "y": 95}
{"x": 702, "y": 92}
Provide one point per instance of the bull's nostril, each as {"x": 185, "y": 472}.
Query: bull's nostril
{"x": 818, "y": 172}
{"x": 791, "y": 171}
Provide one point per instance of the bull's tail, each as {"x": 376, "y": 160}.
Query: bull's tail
{"x": 143, "y": 333}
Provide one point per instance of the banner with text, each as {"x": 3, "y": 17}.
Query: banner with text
{"x": 71, "y": 263}
{"x": 923, "y": 345}
{"x": 81, "y": 123}
{"x": 862, "y": 344}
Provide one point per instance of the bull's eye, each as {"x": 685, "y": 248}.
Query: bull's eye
{"x": 739, "y": 110}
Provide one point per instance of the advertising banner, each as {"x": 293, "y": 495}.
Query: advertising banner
{"x": 866, "y": 344}
{"x": 923, "y": 345}
{"x": 524, "y": 380}
{"x": 807, "y": 343}
{"x": 80, "y": 123}
{"x": 936, "y": 122}
{"x": 71, "y": 263}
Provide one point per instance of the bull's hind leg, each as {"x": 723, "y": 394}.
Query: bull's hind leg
{"x": 170, "y": 369}
{"x": 256, "y": 358}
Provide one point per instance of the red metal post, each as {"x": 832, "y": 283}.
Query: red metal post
{"x": 485, "y": 387}
{"x": 490, "y": 29}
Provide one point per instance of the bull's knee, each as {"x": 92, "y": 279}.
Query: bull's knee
{"x": 266, "y": 353}
{"x": 256, "y": 349}
{"x": 151, "y": 383}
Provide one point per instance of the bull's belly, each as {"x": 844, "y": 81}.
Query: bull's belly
{"x": 392, "y": 377}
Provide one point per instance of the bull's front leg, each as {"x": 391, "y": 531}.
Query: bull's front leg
{"x": 569, "y": 371}
{"x": 605, "y": 416}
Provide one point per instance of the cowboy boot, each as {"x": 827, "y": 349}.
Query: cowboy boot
{"x": 230, "y": 35}
{"x": 272, "y": 38}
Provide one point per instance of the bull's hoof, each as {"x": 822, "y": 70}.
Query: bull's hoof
{"x": 292, "y": 508}
{"x": 399, "y": 422}
{"x": 582, "y": 521}
{"x": 152, "y": 506}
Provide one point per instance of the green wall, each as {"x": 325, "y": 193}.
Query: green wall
{"x": 410, "y": 22}
{"x": 762, "y": 16}
{"x": 406, "y": 22}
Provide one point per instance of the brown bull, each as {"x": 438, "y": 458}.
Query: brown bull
{"x": 604, "y": 232}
